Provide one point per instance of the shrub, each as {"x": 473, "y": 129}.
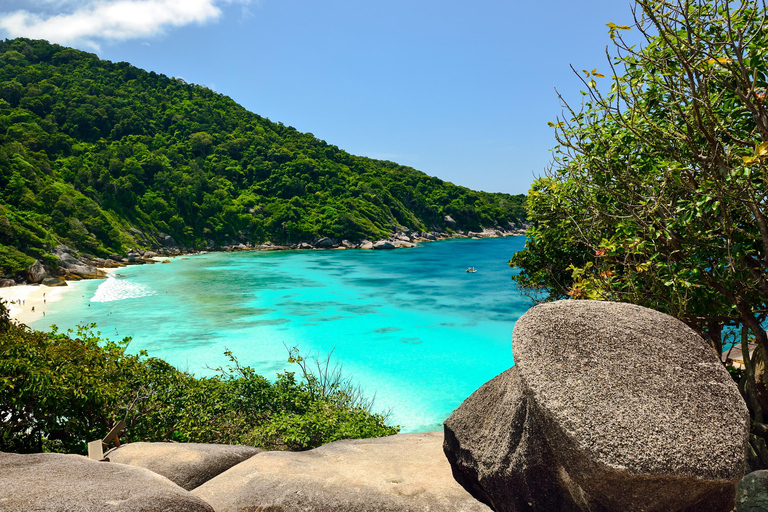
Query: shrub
{"x": 60, "y": 390}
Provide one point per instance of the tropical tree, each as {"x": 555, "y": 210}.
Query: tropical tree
{"x": 658, "y": 191}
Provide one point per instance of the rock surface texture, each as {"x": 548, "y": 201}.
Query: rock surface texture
{"x": 406, "y": 472}
{"x": 188, "y": 465}
{"x": 72, "y": 267}
{"x": 610, "y": 407}
{"x": 52, "y": 482}
{"x": 753, "y": 492}
{"x": 36, "y": 273}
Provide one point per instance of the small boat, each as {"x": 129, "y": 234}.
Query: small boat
{"x": 471, "y": 270}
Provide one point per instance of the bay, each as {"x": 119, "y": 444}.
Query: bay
{"x": 410, "y": 326}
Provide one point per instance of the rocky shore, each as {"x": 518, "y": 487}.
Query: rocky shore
{"x": 75, "y": 266}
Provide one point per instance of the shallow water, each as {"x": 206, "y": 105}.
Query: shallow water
{"x": 411, "y": 326}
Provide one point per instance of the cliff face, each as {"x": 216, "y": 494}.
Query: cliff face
{"x": 104, "y": 157}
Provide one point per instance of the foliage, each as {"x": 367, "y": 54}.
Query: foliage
{"x": 90, "y": 149}
{"x": 58, "y": 391}
{"x": 658, "y": 191}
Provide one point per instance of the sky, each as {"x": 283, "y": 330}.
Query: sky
{"x": 459, "y": 90}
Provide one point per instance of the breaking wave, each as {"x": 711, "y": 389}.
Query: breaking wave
{"x": 120, "y": 289}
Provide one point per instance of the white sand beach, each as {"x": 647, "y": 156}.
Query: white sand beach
{"x": 27, "y": 303}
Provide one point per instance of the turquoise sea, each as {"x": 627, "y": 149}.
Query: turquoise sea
{"x": 410, "y": 325}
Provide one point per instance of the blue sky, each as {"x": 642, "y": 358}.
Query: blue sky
{"x": 460, "y": 90}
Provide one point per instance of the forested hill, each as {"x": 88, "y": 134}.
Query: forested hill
{"x": 92, "y": 151}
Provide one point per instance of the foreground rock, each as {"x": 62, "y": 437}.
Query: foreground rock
{"x": 406, "y": 472}
{"x": 491, "y": 445}
{"x": 609, "y": 407}
{"x": 52, "y": 482}
{"x": 188, "y": 465}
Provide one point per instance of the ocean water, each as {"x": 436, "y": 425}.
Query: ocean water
{"x": 410, "y": 326}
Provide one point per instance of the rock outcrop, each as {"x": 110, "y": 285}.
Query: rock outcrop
{"x": 325, "y": 243}
{"x": 73, "y": 268}
{"x": 54, "y": 281}
{"x": 609, "y": 407}
{"x": 406, "y": 472}
{"x": 35, "y": 273}
{"x": 383, "y": 245}
{"x": 188, "y": 465}
{"x": 52, "y": 482}
{"x": 167, "y": 241}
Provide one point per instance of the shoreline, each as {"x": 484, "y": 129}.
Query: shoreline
{"x": 34, "y": 299}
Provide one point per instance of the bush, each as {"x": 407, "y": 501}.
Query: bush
{"x": 58, "y": 391}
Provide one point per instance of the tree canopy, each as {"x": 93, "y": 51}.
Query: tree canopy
{"x": 91, "y": 149}
{"x": 657, "y": 194}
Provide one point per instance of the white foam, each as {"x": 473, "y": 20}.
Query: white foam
{"x": 120, "y": 289}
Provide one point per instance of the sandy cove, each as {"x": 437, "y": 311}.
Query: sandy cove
{"x": 34, "y": 298}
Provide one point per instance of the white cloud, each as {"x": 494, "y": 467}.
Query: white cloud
{"x": 105, "y": 20}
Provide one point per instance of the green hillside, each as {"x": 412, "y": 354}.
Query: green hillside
{"x": 91, "y": 151}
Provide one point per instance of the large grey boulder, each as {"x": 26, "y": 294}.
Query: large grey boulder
{"x": 54, "y": 281}
{"x": 493, "y": 445}
{"x": 167, "y": 241}
{"x": 188, "y": 465}
{"x": 73, "y": 267}
{"x": 325, "y": 243}
{"x": 383, "y": 245}
{"x": 36, "y": 272}
{"x": 632, "y": 408}
{"x": 406, "y": 472}
{"x": 52, "y": 482}
{"x": 753, "y": 492}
